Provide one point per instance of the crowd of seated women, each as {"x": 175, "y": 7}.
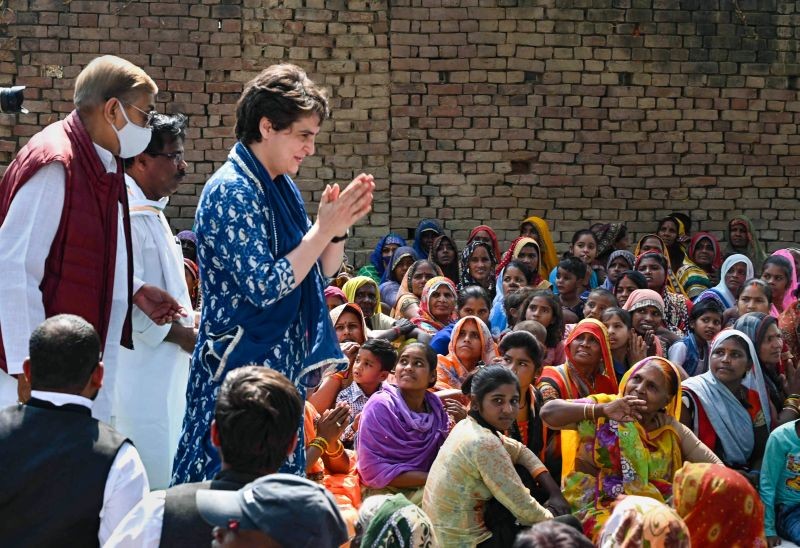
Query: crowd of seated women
{"x": 629, "y": 394}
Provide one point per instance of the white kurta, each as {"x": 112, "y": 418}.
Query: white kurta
{"x": 25, "y": 240}
{"x": 151, "y": 379}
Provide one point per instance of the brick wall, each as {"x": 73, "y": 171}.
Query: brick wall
{"x": 470, "y": 111}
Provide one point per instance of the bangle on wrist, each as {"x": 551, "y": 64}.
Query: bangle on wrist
{"x": 336, "y": 452}
{"x": 320, "y": 441}
{"x": 337, "y": 239}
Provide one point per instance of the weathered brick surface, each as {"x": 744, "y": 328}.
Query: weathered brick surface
{"x": 472, "y": 111}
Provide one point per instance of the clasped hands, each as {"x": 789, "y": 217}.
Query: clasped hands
{"x": 341, "y": 209}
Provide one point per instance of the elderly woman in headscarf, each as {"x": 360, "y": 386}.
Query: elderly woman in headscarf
{"x": 742, "y": 239}
{"x": 427, "y": 231}
{"x": 655, "y": 268}
{"x": 444, "y": 253}
{"x": 381, "y": 256}
{"x": 536, "y": 228}
{"x": 363, "y": 291}
{"x": 734, "y": 272}
{"x": 410, "y": 291}
{"x": 718, "y": 505}
{"x": 437, "y": 307}
{"x": 625, "y": 442}
{"x": 727, "y": 407}
{"x": 393, "y": 520}
{"x": 393, "y": 276}
{"x": 478, "y": 264}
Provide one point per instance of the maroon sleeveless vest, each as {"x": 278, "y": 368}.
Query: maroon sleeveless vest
{"x": 79, "y": 271}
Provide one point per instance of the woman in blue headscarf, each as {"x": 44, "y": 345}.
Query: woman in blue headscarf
{"x": 427, "y": 231}
{"x": 381, "y": 256}
{"x": 263, "y": 262}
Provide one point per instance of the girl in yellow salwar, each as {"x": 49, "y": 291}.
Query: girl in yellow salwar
{"x": 626, "y": 444}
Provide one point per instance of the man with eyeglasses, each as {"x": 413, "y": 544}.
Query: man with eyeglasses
{"x": 65, "y": 227}
{"x": 151, "y": 380}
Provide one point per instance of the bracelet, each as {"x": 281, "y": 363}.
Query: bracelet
{"x": 317, "y": 445}
{"x": 337, "y": 239}
{"x": 341, "y": 376}
{"x": 322, "y": 442}
{"x": 337, "y": 452}
{"x": 585, "y": 406}
{"x": 593, "y": 417}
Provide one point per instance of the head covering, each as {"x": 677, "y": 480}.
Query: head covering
{"x": 425, "y": 225}
{"x": 376, "y": 257}
{"x": 720, "y": 292}
{"x": 606, "y": 235}
{"x": 291, "y": 510}
{"x": 717, "y": 260}
{"x": 670, "y": 281}
{"x": 719, "y": 506}
{"x": 754, "y": 251}
{"x": 191, "y": 267}
{"x": 643, "y": 521}
{"x": 354, "y": 284}
{"x": 425, "y": 315}
{"x": 393, "y": 439}
{"x": 466, "y": 278}
{"x": 548, "y": 256}
{"x": 399, "y": 254}
{"x": 676, "y": 252}
{"x": 755, "y": 325}
{"x": 349, "y": 307}
{"x": 407, "y": 286}
{"x": 731, "y": 422}
{"x": 187, "y": 235}
{"x": 600, "y": 332}
{"x": 451, "y": 372}
{"x": 644, "y": 297}
{"x": 393, "y": 520}
{"x": 513, "y": 252}
{"x": 333, "y": 291}
{"x": 451, "y": 270}
{"x": 629, "y": 258}
{"x": 791, "y": 287}
{"x": 492, "y": 236}
{"x": 629, "y": 460}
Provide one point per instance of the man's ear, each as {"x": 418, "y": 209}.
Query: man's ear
{"x": 96, "y": 380}
{"x": 26, "y": 369}
{"x": 215, "y": 439}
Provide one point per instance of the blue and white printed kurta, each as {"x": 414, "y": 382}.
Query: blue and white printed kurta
{"x": 241, "y": 282}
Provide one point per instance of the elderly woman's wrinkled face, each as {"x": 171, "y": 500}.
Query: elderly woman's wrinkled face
{"x": 585, "y": 350}
{"x": 366, "y": 297}
{"x": 421, "y": 275}
{"x": 650, "y": 384}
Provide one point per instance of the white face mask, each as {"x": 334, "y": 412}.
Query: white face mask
{"x": 133, "y": 139}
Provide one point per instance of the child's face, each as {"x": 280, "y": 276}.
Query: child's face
{"x": 566, "y": 282}
{"x": 707, "y": 326}
{"x": 367, "y": 368}
{"x": 616, "y": 268}
{"x": 618, "y": 332}
{"x": 513, "y": 280}
{"x": 540, "y": 310}
{"x": 523, "y": 366}
{"x": 585, "y": 248}
{"x": 596, "y": 305}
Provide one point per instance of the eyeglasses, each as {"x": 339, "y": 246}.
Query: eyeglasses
{"x": 176, "y": 157}
{"x": 149, "y": 116}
